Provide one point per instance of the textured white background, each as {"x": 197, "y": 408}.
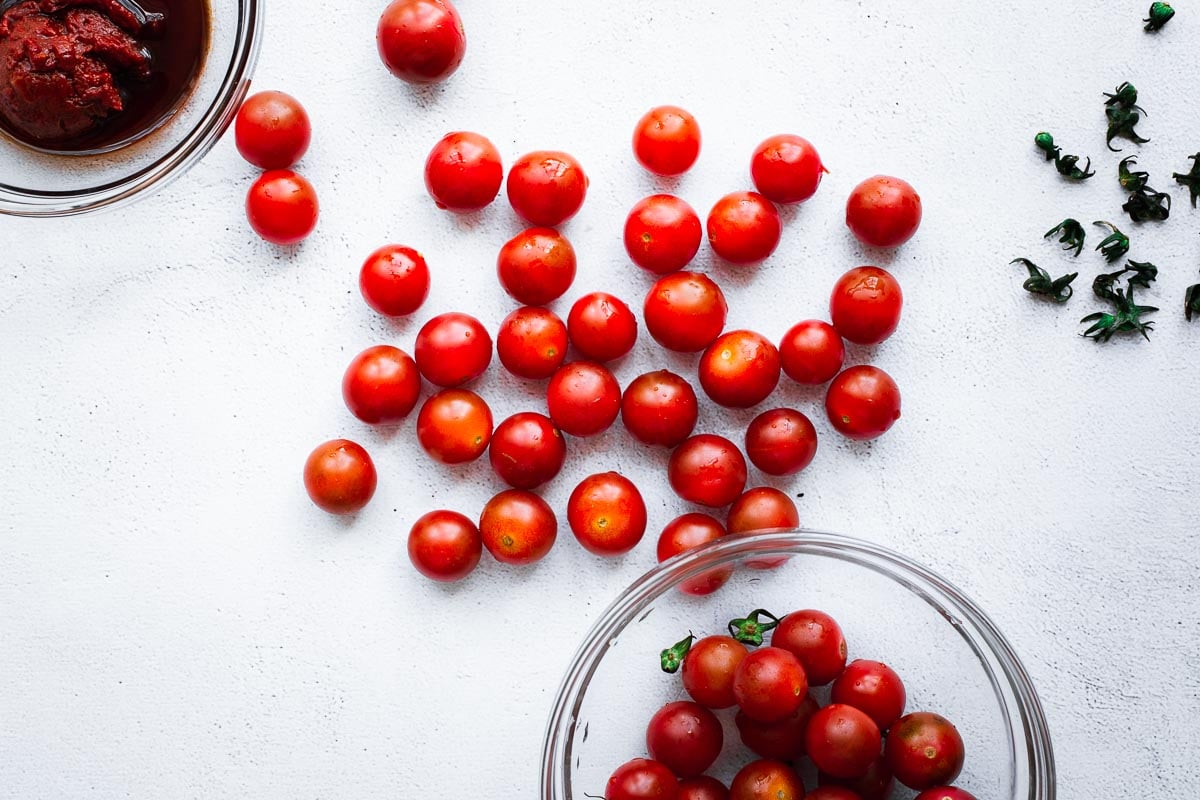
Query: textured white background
{"x": 179, "y": 621}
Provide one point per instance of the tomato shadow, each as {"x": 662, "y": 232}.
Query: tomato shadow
{"x": 873, "y": 256}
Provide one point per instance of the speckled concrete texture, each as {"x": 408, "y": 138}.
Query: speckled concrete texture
{"x": 179, "y": 621}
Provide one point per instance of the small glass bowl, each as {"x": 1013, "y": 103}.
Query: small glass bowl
{"x": 951, "y": 656}
{"x": 37, "y": 184}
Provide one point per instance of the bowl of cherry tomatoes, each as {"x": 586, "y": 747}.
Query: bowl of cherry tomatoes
{"x": 796, "y": 664}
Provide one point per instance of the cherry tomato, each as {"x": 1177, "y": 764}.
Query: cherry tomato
{"x": 272, "y": 130}
{"x": 536, "y": 266}
{"x": 832, "y": 793}
{"x": 769, "y": 685}
{"x": 945, "y": 793}
{"x": 642, "y": 779}
{"x": 421, "y": 41}
{"x": 865, "y": 305}
{"x": 863, "y": 402}
{"x": 662, "y": 234}
{"x": 744, "y": 228}
{"x": 781, "y": 441}
{"x": 875, "y": 785}
{"x": 924, "y": 750}
{"x": 527, "y": 450}
{"x": 452, "y": 349}
{"x": 740, "y": 369}
{"x": 607, "y": 515}
{"x": 702, "y": 788}
{"x": 686, "y": 737}
{"x": 518, "y": 527}
{"x": 394, "y": 280}
{"x": 455, "y": 426}
{"x": 340, "y": 476}
{"x": 444, "y": 546}
{"x": 282, "y": 207}
{"x": 786, "y": 169}
{"x": 463, "y": 172}
{"x": 817, "y": 640}
{"x": 762, "y": 509}
{"x": 842, "y": 741}
{"x": 532, "y": 343}
{"x": 666, "y": 140}
{"x": 685, "y": 311}
{"x": 707, "y": 470}
{"x": 708, "y": 670}
{"x": 782, "y": 740}
{"x": 659, "y": 408}
{"x": 685, "y": 533}
{"x": 583, "y": 398}
{"x": 873, "y": 688}
{"x": 547, "y": 187}
{"x": 601, "y": 327}
{"x": 812, "y": 352}
{"x": 883, "y": 211}
{"x": 766, "y": 780}
{"x": 381, "y": 385}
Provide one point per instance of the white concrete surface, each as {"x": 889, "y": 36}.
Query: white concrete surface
{"x": 179, "y": 621}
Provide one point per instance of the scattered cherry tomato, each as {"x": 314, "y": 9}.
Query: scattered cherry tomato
{"x": 770, "y": 685}
{"x": 444, "y": 546}
{"x": 601, "y": 327}
{"x": 863, "y": 402}
{"x": 873, "y": 688}
{"x": 865, "y": 305}
{"x": 781, "y": 441}
{"x": 876, "y": 784}
{"x": 527, "y": 450}
{"x": 708, "y": 470}
{"x": 662, "y": 234}
{"x": 272, "y": 130}
{"x": 463, "y": 172}
{"x": 766, "y": 780}
{"x": 381, "y": 385}
{"x": 340, "y": 476}
{"x": 685, "y": 311}
{"x": 883, "y": 211}
{"x": 547, "y": 187}
{"x": 642, "y": 779}
{"x": 685, "y": 533}
{"x": 740, "y": 369}
{"x": 945, "y": 793}
{"x": 816, "y": 640}
{"x": 583, "y": 398}
{"x": 452, "y": 349}
{"x": 786, "y": 169}
{"x": 394, "y": 280}
{"x": 536, "y": 266}
{"x": 666, "y": 140}
{"x": 454, "y": 426}
{"x": 532, "y": 343}
{"x": 708, "y": 670}
{"x": 762, "y": 509}
{"x": 832, "y": 793}
{"x": 686, "y": 737}
{"x": 607, "y": 515}
{"x": 812, "y": 352}
{"x": 659, "y": 408}
{"x": 282, "y": 207}
{"x": 782, "y": 740}
{"x": 421, "y": 41}
{"x": 842, "y": 741}
{"x": 744, "y": 228}
{"x": 518, "y": 527}
{"x": 924, "y": 750}
{"x": 704, "y": 787}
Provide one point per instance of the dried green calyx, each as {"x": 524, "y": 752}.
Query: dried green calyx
{"x": 1147, "y": 205}
{"x": 1070, "y": 235}
{"x": 750, "y": 629}
{"x": 1127, "y": 317}
{"x": 1115, "y": 245}
{"x": 1191, "y": 178}
{"x": 1191, "y": 302}
{"x": 1131, "y": 181}
{"x": 672, "y": 658}
{"x": 1067, "y": 166}
{"x": 1160, "y": 14}
{"x": 1123, "y": 114}
{"x": 1039, "y": 282}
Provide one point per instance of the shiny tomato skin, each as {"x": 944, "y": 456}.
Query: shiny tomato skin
{"x": 642, "y": 779}
{"x": 708, "y": 470}
{"x": 282, "y": 207}
{"x": 532, "y": 343}
{"x": 394, "y": 280}
{"x": 421, "y": 41}
{"x": 703, "y": 787}
{"x": 945, "y": 793}
{"x": 340, "y": 477}
{"x": 452, "y": 349}
{"x": 770, "y": 685}
{"x": 766, "y": 780}
{"x": 740, "y": 369}
{"x": 547, "y": 187}
{"x": 381, "y": 385}
{"x": 444, "y": 546}
{"x": 272, "y": 130}
{"x": 763, "y": 508}
{"x": 583, "y": 398}
{"x": 782, "y": 740}
{"x": 662, "y": 234}
{"x": 607, "y": 514}
{"x": 786, "y": 169}
{"x": 602, "y": 327}
{"x": 744, "y": 228}
{"x": 812, "y": 352}
{"x": 518, "y": 527}
{"x": 659, "y": 408}
{"x": 842, "y": 741}
{"x": 454, "y": 426}
{"x": 883, "y": 211}
{"x": 863, "y": 402}
{"x": 463, "y": 172}
{"x": 666, "y": 140}
{"x": 873, "y": 688}
{"x": 686, "y": 737}
{"x": 685, "y": 533}
{"x": 876, "y": 784}
{"x": 527, "y": 450}
{"x": 536, "y": 266}
{"x": 816, "y": 639}
{"x": 832, "y": 793}
{"x": 924, "y": 750}
{"x": 708, "y": 670}
{"x": 781, "y": 441}
{"x": 865, "y": 305}
{"x": 685, "y": 311}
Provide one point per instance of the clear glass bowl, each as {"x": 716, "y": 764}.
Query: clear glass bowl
{"x": 952, "y": 658}
{"x": 36, "y": 184}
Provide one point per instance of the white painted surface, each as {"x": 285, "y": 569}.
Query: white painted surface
{"x": 179, "y": 621}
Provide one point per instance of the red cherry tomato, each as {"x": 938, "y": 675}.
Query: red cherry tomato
{"x": 924, "y": 750}
{"x": 532, "y": 343}
{"x": 685, "y": 533}
{"x": 812, "y": 352}
{"x": 883, "y": 211}
{"x": 607, "y": 515}
{"x": 546, "y": 187}
{"x": 452, "y": 349}
{"x": 832, "y": 793}
{"x": 816, "y": 640}
{"x": 340, "y": 477}
{"x": 786, "y": 169}
{"x": 642, "y": 779}
{"x": 865, "y": 305}
{"x": 381, "y": 385}
{"x": 685, "y": 311}
{"x": 659, "y": 408}
{"x": 583, "y": 398}
{"x": 463, "y": 172}
{"x": 601, "y": 327}
{"x": 766, "y": 780}
{"x": 769, "y": 685}
{"x": 945, "y": 793}
{"x": 536, "y": 266}
{"x": 394, "y": 280}
{"x": 707, "y": 470}
{"x": 518, "y": 527}
{"x": 762, "y": 509}
{"x": 421, "y": 41}
{"x": 781, "y": 441}
{"x": 740, "y": 369}
{"x": 782, "y": 740}
{"x": 666, "y": 140}
{"x": 272, "y": 130}
{"x": 863, "y": 402}
{"x": 455, "y": 426}
{"x": 842, "y": 741}
{"x": 686, "y": 737}
{"x": 744, "y": 228}
{"x": 662, "y": 234}
{"x": 527, "y": 450}
{"x": 444, "y": 546}
{"x": 282, "y": 207}
{"x": 702, "y": 788}
{"x": 708, "y": 670}
{"x": 875, "y": 785}
{"x": 873, "y": 688}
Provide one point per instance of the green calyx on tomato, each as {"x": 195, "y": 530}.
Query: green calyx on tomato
{"x": 1039, "y": 282}
{"x": 672, "y": 657}
{"x": 751, "y": 628}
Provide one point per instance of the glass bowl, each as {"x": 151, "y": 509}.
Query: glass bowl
{"x": 37, "y": 184}
{"x": 952, "y": 658}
